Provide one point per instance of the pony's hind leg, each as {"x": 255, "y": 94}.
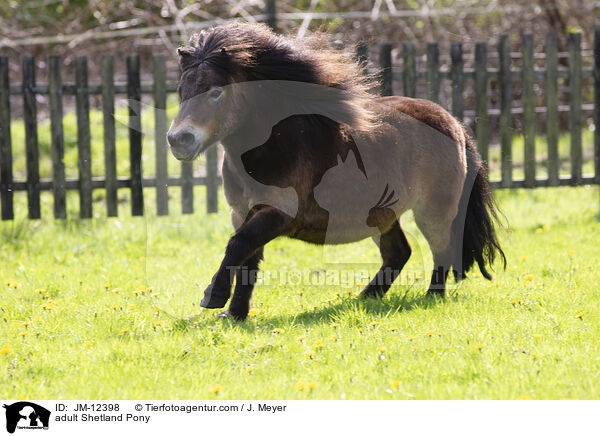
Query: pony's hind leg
{"x": 395, "y": 251}
{"x": 245, "y": 279}
{"x": 437, "y": 229}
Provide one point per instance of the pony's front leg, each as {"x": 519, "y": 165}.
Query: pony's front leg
{"x": 264, "y": 226}
{"x": 245, "y": 280}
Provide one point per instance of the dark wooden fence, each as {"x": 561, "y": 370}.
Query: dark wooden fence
{"x": 480, "y": 76}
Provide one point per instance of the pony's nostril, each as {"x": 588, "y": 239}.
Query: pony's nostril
{"x": 182, "y": 139}
{"x": 186, "y": 139}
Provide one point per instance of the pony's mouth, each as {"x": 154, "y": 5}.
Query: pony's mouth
{"x": 190, "y": 155}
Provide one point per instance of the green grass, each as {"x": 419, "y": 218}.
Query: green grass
{"x": 97, "y": 309}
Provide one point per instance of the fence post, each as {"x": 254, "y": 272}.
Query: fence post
{"x": 159, "y": 72}
{"x": 135, "y": 133}
{"x": 271, "y": 12}
{"x": 31, "y": 137}
{"x": 597, "y": 103}
{"x": 6, "y": 174}
{"x": 212, "y": 184}
{"x": 456, "y": 55}
{"x": 528, "y": 98}
{"x": 552, "y": 108}
{"x": 108, "y": 114}
{"x": 362, "y": 55}
{"x": 82, "y": 102}
{"x": 187, "y": 187}
{"x": 409, "y": 71}
{"x": 385, "y": 62}
{"x": 574, "y": 43}
{"x": 505, "y": 82}
{"x": 433, "y": 72}
{"x": 482, "y": 126}
{"x": 57, "y": 140}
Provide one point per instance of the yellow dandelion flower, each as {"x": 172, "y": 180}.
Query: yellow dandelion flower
{"x": 430, "y": 333}
{"x": 158, "y": 323}
{"x": 131, "y": 307}
{"x": 571, "y": 253}
{"x": 154, "y": 294}
{"x": 382, "y": 349}
{"x": 308, "y": 355}
{"x": 48, "y": 305}
{"x": 479, "y": 346}
{"x": 578, "y": 315}
{"x": 223, "y": 346}
{"x": 40, "y": 290}
{"x": 23, "y": 333}
{"x": 539, "y": 230}
{"x": 334, "y": 325}
{"x": 249, "y": 368}
{"x": 373, "y": 324}
{"x": 333, "y": 338}
{"x": 107, "y": 285}
{"x": 299, "y": 386}
{"x": 528, "y": 277}
{"x": 277, "y": 330}
{"x": 300, "y": 338}
{"x": 414, "y": 347}
{"x": 302, "y": 385}
{"x": 537, "y": 335}
{"x": 88, "y": 344}
{"x": 5, "y": 349}
{"x": 393, "y": 329}
{"x": 115, "y": 290}
{"x": 396, "y": 383}
{"x": 318, "y": 344}
{"x": 410, "y": 338}
{"x": 15, "y": 285}
{"x": 515, "y": 301}
{"x": 215, "y": 389}
{"x": 253, "y": 312}
{"x": 124, "y": 332}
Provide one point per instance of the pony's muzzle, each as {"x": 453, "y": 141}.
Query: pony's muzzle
{"x": 186, "y": 142}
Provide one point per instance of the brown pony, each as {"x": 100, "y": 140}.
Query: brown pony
{"x": 312, "y": 155}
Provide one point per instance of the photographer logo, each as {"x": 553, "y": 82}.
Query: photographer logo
{"x": 25, "y": 415}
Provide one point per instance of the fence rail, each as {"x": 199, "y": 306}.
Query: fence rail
{"x": 480, "y": 76}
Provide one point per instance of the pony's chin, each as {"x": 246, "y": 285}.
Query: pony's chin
{"x": 188, "y": 157}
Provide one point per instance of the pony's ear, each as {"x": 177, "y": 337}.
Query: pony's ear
{"x": 187, "y": 56}
{"x": 197, "y": 39}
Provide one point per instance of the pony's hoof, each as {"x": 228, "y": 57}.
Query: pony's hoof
{"x": 435, "y": 293}
{"x": 232, "y": 315}
{"x": 213, "y": 299}
{"x": 370, "y": 293}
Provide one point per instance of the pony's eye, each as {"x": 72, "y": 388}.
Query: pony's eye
{"x": 215, "y": 93}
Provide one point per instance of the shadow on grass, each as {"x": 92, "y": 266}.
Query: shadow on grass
{"x": 353, "y": 311}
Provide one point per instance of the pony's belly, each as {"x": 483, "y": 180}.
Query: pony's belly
{"x": 336, "y": 234}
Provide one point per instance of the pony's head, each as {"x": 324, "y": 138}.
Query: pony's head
{"x": 215, "y": 62}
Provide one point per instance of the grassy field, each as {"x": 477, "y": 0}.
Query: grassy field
{"x": 108, "y": 308}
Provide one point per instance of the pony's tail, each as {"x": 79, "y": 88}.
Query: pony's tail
{"x": 480, "y": 242}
